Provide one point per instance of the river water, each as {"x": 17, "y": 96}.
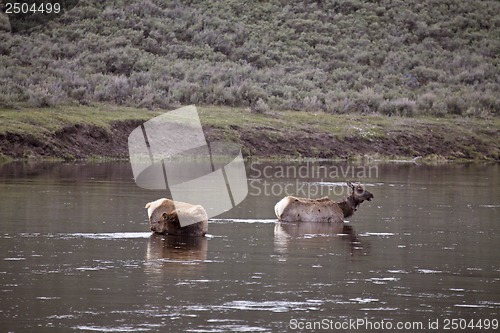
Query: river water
{"x": 76, "y": 253}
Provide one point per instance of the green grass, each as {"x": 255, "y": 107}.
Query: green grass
{"x": 338, "y": 125}
{"x": 367, "y": 126}
{"x": 44, "y": 121}
{"x": 37, "y": 121}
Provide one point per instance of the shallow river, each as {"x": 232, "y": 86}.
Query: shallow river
{"x": 76, "y": 253}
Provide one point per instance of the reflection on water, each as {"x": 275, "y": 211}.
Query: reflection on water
{"x": 170, "y": 254}
{"x": 77, "y": 254}
{"x": 288, "y": 234}
{"x": 177, "y": 247}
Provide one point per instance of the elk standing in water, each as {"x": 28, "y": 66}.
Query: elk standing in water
{"x": 293, "y": 209}
{"x": 165, "y": 214}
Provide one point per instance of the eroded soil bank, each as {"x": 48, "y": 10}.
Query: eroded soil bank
{"x": 292, "y": 134}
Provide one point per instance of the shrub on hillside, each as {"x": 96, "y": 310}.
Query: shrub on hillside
{"x": 369, "y": 101}
{"x": 399, "y": 107}
{"x": 426, "y": 103}
{"x": 39, "y": 97}
{"x": 455, "y": 105}
{"x": 340, "y": 57}
{"x": 116, "y": 90}
{"x": 312, "y": 103}
{"x": 260, "y": 107}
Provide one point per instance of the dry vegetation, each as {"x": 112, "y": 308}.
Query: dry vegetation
{"x": 391, "y": 57}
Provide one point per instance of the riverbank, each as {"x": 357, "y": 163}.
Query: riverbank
{"x": 80, "y": 132}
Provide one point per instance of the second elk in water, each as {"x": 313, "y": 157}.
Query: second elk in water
{"x": 293, "y": 209}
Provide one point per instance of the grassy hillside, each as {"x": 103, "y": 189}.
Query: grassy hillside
{"x": 392, "y": 57}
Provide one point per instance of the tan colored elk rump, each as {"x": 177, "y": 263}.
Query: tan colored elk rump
{"x": 165, "y": 217}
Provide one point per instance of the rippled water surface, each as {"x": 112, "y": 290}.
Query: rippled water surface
{"x": 76, "y": 254}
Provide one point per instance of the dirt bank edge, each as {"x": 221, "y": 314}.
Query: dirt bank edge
{"x": 346, "y": 137}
